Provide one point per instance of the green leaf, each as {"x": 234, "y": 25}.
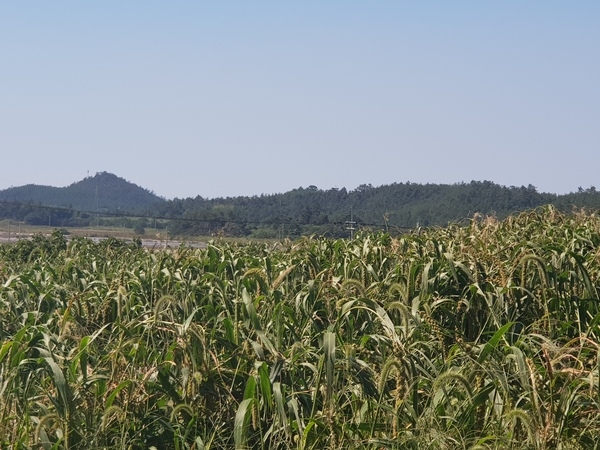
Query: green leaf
{"x": 277, "y": 394}
{"x": 240, "y": 424}
{"x": 5, "y": 349}
{"x": 493, "y": 343}
{"x": 329, "y": 352}
{"x": 250, "y": 391}
{"x": 265, "y": 384}
{"x": 60, "y": 382}
{"x": 115, "y": 392}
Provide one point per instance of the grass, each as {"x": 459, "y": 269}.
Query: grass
{"x": 477, "y": 336}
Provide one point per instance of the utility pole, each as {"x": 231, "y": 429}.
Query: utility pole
{"x": 350, "y": 225}
{"x": 97, "y": 206}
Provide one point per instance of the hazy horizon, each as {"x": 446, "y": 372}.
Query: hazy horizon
{"x": 349, "y": 189}
{"x": 249, "y": 98}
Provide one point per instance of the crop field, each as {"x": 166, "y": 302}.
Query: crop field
{"x": 479, "y": 336}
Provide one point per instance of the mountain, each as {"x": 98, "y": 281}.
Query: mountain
{"x": 103, "y": 192}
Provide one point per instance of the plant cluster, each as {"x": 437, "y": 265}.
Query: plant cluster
{"x": 478, "y": 336}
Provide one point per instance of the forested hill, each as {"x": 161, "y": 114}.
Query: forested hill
{"x": 300, "y": 211}
{"x": 103, "y": 192}
{"x": 396, "y": 205}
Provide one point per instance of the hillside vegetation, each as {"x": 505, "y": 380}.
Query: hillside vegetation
{"x": 302, "y": 211}
{"x": 479, "y": 336}
{"x": 103, "y": 192}
{"x": 389, "y": 207}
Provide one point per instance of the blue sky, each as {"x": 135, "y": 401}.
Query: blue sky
{"x": 247, "y": 97}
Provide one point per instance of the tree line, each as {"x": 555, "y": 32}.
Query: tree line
{"x": 311, "y": 210}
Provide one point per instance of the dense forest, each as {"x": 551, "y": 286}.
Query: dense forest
{"x": 107, "y": 199}
{"x": 390, "y": 207}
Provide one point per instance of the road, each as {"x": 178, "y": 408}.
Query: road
{"x": 5, "y": 238}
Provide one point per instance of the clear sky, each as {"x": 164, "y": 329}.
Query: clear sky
{"x": 227, "y": 98}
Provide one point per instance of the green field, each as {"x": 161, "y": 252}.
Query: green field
{"x": 484, "y": 335}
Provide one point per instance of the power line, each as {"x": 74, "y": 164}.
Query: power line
{"x": 352, "y": 223}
